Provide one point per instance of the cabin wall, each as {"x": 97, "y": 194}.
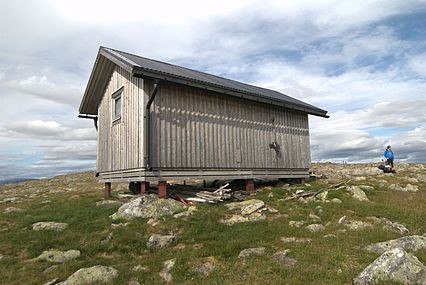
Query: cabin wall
{"x": 199, "y": 129}
{"x": 120, "y": 143}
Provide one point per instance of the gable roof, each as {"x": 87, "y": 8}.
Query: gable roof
{"x": 145, "y": 67}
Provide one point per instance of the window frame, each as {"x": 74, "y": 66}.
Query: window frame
{"x": 117, "y": 96}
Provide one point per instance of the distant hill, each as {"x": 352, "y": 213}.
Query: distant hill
{"x": 15, "y": 180}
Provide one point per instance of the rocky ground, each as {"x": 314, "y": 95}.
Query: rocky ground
{"x": 352, "y": 225}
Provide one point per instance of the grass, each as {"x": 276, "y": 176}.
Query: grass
{"x": 323, "y": 261}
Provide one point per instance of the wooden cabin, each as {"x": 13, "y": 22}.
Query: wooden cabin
{"x": 158, "y": 122}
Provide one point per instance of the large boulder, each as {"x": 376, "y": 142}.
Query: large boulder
{"x": 357, "y": 193}
{"x": 58, "y": 256}
{"x": 148, "y": 206}
{"x": 395, "y": 265}
{"x": 412, "y": 243}
{"x": 97, "y": 274}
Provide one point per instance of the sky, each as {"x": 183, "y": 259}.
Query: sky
{"x": 363, "y": 61}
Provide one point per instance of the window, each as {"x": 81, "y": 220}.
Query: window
{"x": 117, "y": 107}
{"x": 116, "y": 97}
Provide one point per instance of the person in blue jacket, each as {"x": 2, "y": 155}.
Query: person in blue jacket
{"x": 389, "y": 156}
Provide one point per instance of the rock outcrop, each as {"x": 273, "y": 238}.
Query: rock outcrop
{"x": 58, "y": 256}
{"x": 412, "y": 243}
{"x": 254, "y": 251}
{"x": 395, "y": 265}
{"x": 160, "y": 241}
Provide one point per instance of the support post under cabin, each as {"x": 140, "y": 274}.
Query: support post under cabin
{"x": 107, "y": 192}
{"x": 250, "y": 186}
{"x": 144, "y": 187}
{"x": 302, "y": 180}
{"x": 162, "y": 189}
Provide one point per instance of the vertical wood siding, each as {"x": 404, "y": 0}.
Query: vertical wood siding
{"x": 197, "y": 129}
{"x": 120, "y": 144}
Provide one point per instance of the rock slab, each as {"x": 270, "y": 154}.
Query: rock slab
{"x": 148, "y": 206}
{"x": 40, "y": 226}
{"x": 165, "y": 272}
{"x": 412, "y": 243}
{"x": 97, "y": 274}
{"x": 395, "y": 265}
{"x": 160, "y": 241}
{"x": 254, "y": 251}
{"x": 58, "y": 256}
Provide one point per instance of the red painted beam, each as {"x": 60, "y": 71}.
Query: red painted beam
{"x": 250, "y": 186}
{"x": 144, "y": 187}
{"x": 107, "y": 192}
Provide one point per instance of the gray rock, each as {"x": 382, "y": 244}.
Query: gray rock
{"x": 323, "y": 195}
{"x": 395, "y": 265}
{"x": 160, "y": 241}
{"x": 397, "y": 228}
{"x": 254, "y": 251}
{"x": 358, "y": 225}
{"x": 282, "y": 258}
{"x": 165, "y": 272}
{"x": 234, "y": 219}
{"x": 357, "y": 193}
{"x": 97, "y": 274}
{"x": 296, "y": 240}
{"x": 205, "y": 266}
{"x": 148, "y": 206}
{"x": 315, "y": 228}
{"x": 191, "y": 210}
{"x": 107, "y": 239}
{"x": 1, "y": 256}
{"x": 108, "y": 203}
{"x": 412, "y": 243}
{"x": 140, "y": 268}
{"x": 314, "y": 218}
{"x": 134, "y": 282}
{"x": 49, "y": 226}
{"x": 246, "y": 207}
{"x": 336, "y": 201}
{"x": 12, "y": 210}
{"x": 407, "y": 188}
{"x": 58, "y": 256}
{"x": 296, "y": 224}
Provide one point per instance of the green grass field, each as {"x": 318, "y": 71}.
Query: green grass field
{"x": 335, "y": 260}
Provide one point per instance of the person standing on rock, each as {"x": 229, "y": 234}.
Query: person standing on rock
{"x": 389, "y": 156}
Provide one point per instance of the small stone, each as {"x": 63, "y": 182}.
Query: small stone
{"x": 49, "y": 226}
{"x": 360, "y": 178}
{"x": 165, "y": 272}
{"x": 160, "y": 241}
{"x": 13, "y": 210}
{"x": 134, "y": 282}
{"x": 323, "y": 195}
{"x": 315, "y": 228}
{"x": 108, "y": 203}
{"x": 336, "y": 201}
{"x": 93, "y": 275}
{"x": 314, "y": 218}
{"x": 342, "y": 220}
{"x": 396, "y": 266}
{"x": 271, "y": 195}
{"x": 366, "y": 187}
{"x": 296, "y": 224}
{"x": 308, "y": 185}
{"x": 295, "y": 240}
{"x": 205, "y": 266}
{"x": 282, "y": 258}
{"x": 330, "y": 236}
{"x": 107, "y": 239}
{"x": 300, "y": 191}
{"x": 396, "y": 228}
{"x": 1, "y": 256}
{"x": 248, "y": 252}
{"x": 120, "y": 225}
{"x": 58, "y": 256}
{"x": 140, "y": 268}
{"x": 358, "y": 225}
